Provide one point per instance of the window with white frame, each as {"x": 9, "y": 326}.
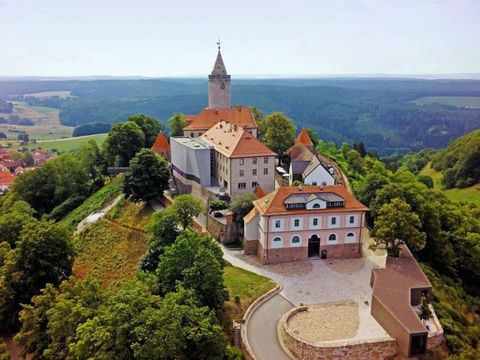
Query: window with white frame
{"x": 254, "y": 184}
{"x": 241, "y": 173}
{"x": 351, "y": 219}
{"x": 315, "y": 222}
{"x": 277, "y": 242}
{"x": 332, "y": 237}
{"x": 296, "y": 241}
{"x": 278, "y": 224}
{"x": 265, "y": 160}
{"x": 265, "y": 171}
{"x": 254, "y": 161}
{"x": 350, "y": 237}
{"x": 333, "y": 220}
{"x": 242, "y": 186}
{"x": 242, "y": 161}
{"x": 254, "y": 171}
{"x": 296, "y": 222}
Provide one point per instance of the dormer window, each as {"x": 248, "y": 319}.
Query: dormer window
{"x": 316, "y": 206}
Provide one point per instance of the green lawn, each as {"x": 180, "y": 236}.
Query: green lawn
{"x": 66, "y": 145}
{"x": 459, "y": 101}
{"x": 469, "y": 194}
{"x": 248, "y": 286}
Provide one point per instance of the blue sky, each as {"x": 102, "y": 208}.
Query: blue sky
{"x": 171, "y": 38}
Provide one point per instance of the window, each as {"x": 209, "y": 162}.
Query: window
{"x": 254, "y": 184}
{"x": 254, "y": 161}
{"x": 265, "y": 171}
{"x": 192, "y": 135}
{"x": 296, "y": 239}
{"x": 332, "y": 237}
{"x": 314, "y": 183}
{"x": 254, "y": 172}
{"x": 265, "y": 160}
{"x": 277, "y": 239}
{"x": 352, "y": 220}
{"x": 277, "y": 224}
{"x": 316, "y": 206}
{"x": 296, "y": 222}
{"x": 333, "y": 220}
{"x": 350, "y": 237}
{"x": 241, "y": 172}
{"x": 242, "y": 161}
{"x": 315, "y": 222}
{"x": 242, "y": 186}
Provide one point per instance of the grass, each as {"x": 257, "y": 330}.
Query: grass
{"x": 46, "y": 123}
{"x": 247, "y": 286}
{"x": 108, "y": 253}
{"x": 130, "y": 214}
{"x": 94, "y": 203}
{"x": 65, "y": 145}
{"x": 469, "y": 194}
{"x": 459, "y": 101}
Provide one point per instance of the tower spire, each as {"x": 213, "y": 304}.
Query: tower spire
{"x": 219, "y": 43}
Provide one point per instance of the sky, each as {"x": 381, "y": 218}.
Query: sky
{"x": 158, "y": 38}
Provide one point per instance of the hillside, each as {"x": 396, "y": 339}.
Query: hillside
{"x": 379, "y": 112}
{"x": 460, "y": 161}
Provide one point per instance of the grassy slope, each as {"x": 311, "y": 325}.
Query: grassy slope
{"x": 459, "y": 101}
{"x": 66, "y": 145}
{"x": 469, "y": 194}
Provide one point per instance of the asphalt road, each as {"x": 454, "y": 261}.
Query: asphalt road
{"x": 262, "y": 329}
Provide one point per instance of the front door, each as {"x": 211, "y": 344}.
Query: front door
{"x": 314, "y": 246}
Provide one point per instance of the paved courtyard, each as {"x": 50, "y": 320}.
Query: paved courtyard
{"x": 318, "y": 281}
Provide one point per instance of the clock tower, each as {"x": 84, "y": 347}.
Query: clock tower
{"x": 219, "y": 84}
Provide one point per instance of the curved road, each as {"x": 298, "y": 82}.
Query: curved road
{"x": 262, "y": 329}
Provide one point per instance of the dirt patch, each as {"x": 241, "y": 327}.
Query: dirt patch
{"x": 326, "y": 322}
{"x": 345, "y": 266}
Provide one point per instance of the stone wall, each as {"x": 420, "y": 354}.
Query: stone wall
{"x": 275, "y": 256}
{"x": 353, "y": 250}
{"x": 332, "y": 350}
{"x": 250, "y": 247}
{"x": 224, "y": 229}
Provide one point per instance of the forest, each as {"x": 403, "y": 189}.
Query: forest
{"x": 378, "y": 112}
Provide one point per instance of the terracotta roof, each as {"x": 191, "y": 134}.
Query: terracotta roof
{"x": 247, "y": 218}
{"x": 207, "y": 118}
{"x": 273, "y": 203}
{"x": 161, "y": 144}
{"x": 6, "y": 178}
{"x": 234, "y": 142}
{"x": 392, "y": 287}
{"x": 299, "y": 152}
{"x": 259, "y": 192}
{"x": 304, "y": 138}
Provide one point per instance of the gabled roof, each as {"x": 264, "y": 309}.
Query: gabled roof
{"x": 6, "y": 178}
{"x": 274, "y": 203}
{"x": 304, "y": 138}
{"x": 247, "y": 218}
{"x": 241, "y": 116}
{"x": 299, "y": 152}
{"x": 235, "y": 142}
{"x": 313, "y": 165}
{"x": 161, "y": 144}
{"x": 259, "y": 192}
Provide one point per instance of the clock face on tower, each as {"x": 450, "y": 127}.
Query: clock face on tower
{"x": 222, "y": 86}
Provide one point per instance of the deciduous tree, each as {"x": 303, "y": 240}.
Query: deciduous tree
{"x": 279, "y": 132}
{"x": 149, "y": 125}
{"x": 123, "y": 142}
{"x": 186, "y": 206}
{"x": 176, "y": 124}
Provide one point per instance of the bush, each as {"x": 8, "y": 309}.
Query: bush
{"x": 62, "y": 210}
{"x": 218, "y": 205}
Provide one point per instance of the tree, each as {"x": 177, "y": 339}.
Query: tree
{"x": 148, "y": 176}
{"x": 196, "y": 262}
{"x": 149, "y": 126}
{"x": 12, "y": 223}
{"x": 279, "y": 132}
{"x": 360, "y": 148}
{"x": 396, "y": 225}
{"x": 186, "y": 206}
{"x": 123, "y": 142}
{"x": 313, "y": 136}
{"x": 426, "y": 180}
{"x": 94, "y": 163}
{"x": 425, "y": 312}
{"x": 176, "y": 124}
{"x": 28, "y": 159}
{"x": 354, "y": 161}
{"x": 241, "y": 206}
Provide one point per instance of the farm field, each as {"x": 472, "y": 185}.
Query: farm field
{"x": 46, "y": 123}
{"x": 468, "y": 194}
{"x": 48, "y": 94}
{"x": 61, "y": 145}
{"x": 458, "y": 101}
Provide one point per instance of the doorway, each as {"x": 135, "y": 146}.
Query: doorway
{"x": 314, "y": 246}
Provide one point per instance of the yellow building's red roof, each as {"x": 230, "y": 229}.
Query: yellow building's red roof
{"x": 241, "y": 116}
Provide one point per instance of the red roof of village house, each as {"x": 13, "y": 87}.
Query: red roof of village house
{"x": 300, "y": 152}
{"x": 6, "y": 178}
{"x": 273, "y": 202}
{"x": 259, "y": 192}
{"x": 241, "y": 116}
{"x": 161, "y": 144}
{"x": 304, "y": 138}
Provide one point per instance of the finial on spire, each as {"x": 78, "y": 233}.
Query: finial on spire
{"x": 219, "y": 43}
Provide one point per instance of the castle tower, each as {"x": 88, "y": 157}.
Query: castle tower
{"x": 219, "y": 84}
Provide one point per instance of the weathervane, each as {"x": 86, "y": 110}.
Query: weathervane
{"x": 218, "y": 43}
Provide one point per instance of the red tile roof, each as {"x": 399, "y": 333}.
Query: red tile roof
{"x": 299, "y": 152}
{"x": 304, "y": 138}
{"x": 273, "y": 203}
{"x": 161, "y": 145}
{"x": 6, "y": 178}
{"x": 241, "y": 116}
{"x": 259, "y": 192}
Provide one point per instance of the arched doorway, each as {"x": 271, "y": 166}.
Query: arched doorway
{"x": 314, "y": 246}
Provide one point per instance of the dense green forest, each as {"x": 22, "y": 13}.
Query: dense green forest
{"x": 377, "y": 112}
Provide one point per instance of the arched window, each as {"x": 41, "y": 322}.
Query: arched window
{"x": 277, "y": 239}
{"x": 350, "y": 237}
{"x": 296, "y": 239}
{"x": 316, "y": 206}
{"x": 332, "y": 237}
